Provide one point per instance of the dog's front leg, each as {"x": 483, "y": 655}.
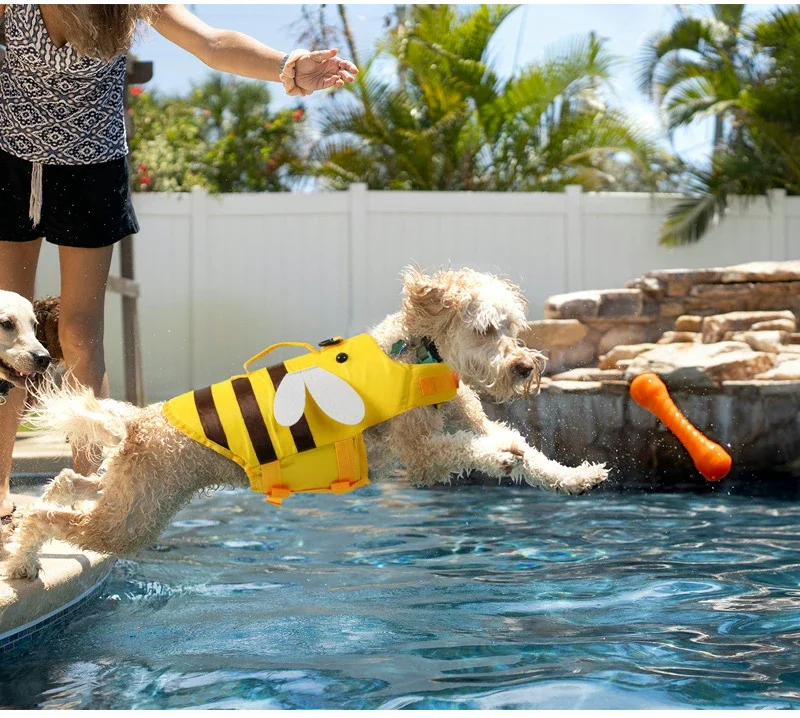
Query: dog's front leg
{"x": 431, "y": 456}
{"x": 466, "y": 412}
{"x": 537, "y": 470}
{"x": 69, "y": 486}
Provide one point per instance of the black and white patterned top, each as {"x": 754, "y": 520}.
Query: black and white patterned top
{"x": 57, "y": 106}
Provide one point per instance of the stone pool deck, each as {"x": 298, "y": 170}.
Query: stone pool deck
{"x": 68, "y": 578}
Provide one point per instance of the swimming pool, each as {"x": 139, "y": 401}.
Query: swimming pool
{"x": 480, "y": 597}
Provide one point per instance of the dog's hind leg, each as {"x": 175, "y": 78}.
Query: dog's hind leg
{"x": 41, "y": 523}
{"x": 69, "y": 486}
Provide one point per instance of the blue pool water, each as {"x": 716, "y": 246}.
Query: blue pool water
{"x": 472, "y": 598}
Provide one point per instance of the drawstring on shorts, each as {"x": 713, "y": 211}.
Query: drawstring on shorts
{"x": 35, "y": 205}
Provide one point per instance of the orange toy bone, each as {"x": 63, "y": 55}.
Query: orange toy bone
{"x": 711, "y": 460}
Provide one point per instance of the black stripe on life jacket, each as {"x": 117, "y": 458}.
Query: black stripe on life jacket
{"x": 253, "y": 421}
{"x": 301, "y": 431}
{"x": 209, "y": 417}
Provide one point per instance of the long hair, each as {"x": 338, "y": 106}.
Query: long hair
{"x": 104, "y": 31}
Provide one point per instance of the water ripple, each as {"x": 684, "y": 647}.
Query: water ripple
{"x": 475, "y": 597}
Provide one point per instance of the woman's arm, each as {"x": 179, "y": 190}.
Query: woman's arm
{"x": 237, "y": 53}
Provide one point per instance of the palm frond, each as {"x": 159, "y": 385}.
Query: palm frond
{"x": 688, "y": 36}
{"x": 691, "y": 218}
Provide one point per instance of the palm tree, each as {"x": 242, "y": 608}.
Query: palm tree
{"x": 449, "y": 122}
{"x": 316, "y": 33}
{"x": 698, "y": 67}
{"x": 762, "y": 147}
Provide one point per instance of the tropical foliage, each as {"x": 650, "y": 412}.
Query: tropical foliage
{"x": 442, "y": 117}
{"x": 220, "y": 136}
{"x": 696, "y": 69}
{"x": 746, "y": 75}
{"x": 448, "y": 121}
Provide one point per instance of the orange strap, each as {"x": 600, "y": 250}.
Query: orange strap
{"x": 437, "y": 384}
{"x": 271, "y": 483}
{"x": 348, "y": 466}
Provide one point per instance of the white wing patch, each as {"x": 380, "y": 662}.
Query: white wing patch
{"x": 332, "y": 393}
{"x": 335, "y": 397}
{"x": 290, "y": 399}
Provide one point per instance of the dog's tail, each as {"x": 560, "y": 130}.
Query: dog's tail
{"x": 71, "y": 410}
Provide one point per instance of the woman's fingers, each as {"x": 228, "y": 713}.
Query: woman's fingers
{"x": 333, "y": 80}
{"x": 349, "y": 66}
{"x": 323, "y": 55}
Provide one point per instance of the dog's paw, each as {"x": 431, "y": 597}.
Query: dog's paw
{"x": 548, "y": 474}
{"x": 499, "y": 454}
{"x": 23, "y": 567}
{"x": 58, "y": 491}
{"x": 583, "y": 478}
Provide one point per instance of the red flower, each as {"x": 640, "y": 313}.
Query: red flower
{"x": 144, "y": 181}
{"x": 297, "y": 115}
{"x": 142, "y": 169}
{"x": 136, "y": 90}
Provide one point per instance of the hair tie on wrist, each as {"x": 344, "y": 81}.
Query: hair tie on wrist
{"x": 287, "y": 72}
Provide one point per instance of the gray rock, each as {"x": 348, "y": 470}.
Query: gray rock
{"x": 764, "y": 341}
{"x": 688, "y": 323}
{"x": 551, "y": 333}
{"x": 714, "y": 327}
{"x": 679, "y": 337}
{"x": 623, "y": 352}
{"x": 701, "y": 365}
{"x": 762, "y": 272}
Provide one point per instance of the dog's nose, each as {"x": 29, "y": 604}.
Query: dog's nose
{"x": 524, "y": 369}
{"x": 41, "y": 359}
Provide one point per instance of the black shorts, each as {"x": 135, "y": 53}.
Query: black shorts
{"x": 82, "y": 205}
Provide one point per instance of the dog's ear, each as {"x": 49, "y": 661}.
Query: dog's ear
{"x": 46, "y": 310}
{"x": 426, "y": 304}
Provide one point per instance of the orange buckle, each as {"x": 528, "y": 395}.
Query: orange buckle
{"x": 277, "y": 494}
{"x": 340, "y": 487}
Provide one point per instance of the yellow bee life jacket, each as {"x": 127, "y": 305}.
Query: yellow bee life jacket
{"x": 289, "y": 442}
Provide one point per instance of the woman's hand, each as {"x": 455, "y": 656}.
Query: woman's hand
{"x": 322, "y": 69}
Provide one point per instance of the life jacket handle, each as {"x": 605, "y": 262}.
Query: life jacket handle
{"x": 278, "y": 346}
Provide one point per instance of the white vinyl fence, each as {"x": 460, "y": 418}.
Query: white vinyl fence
{"x": 224, "y": 276}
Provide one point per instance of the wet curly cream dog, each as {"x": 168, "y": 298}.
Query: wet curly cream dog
{"x": 470, "y": 320}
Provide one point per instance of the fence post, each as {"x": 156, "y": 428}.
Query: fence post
{"x": 777, "y": 225}
{"x": 573, "y": 254}
{"x": 357, "y": 315}
{"x": 198, "y": 235}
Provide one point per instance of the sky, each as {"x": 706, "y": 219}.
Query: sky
{"x": 524, "y": 37}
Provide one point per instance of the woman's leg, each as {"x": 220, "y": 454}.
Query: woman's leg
{"x": 84, "y": 275}
{"x": 18, "y": 262}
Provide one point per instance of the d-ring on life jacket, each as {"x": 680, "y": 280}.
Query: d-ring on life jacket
{"x": 297, "y": 426}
